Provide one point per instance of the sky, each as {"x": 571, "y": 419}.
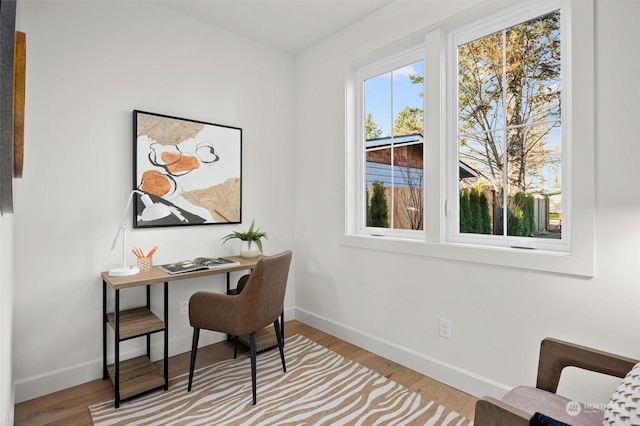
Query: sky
{"x": 380, "y": 90}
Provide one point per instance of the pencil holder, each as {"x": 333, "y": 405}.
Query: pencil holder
{"x": 144, "y": 263}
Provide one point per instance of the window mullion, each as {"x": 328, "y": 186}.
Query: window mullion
{"x": 505, "y": 133}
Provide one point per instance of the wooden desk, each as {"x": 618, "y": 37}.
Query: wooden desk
{"x": 138, "y": 375}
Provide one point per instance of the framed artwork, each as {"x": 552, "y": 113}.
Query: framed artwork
{"x": 192, "y": 166}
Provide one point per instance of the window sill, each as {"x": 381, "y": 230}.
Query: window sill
{"x": 578, "y": 264}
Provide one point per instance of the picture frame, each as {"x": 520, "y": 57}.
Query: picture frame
{"x": 194, "y": 167}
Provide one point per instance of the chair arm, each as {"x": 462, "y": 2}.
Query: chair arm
{"x": 493, "y": 412}
{"x": 557, "y": 354}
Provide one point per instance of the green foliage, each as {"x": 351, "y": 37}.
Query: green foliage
{"x": 465, "y": 213}
{"x": 474, "y": 212}
{"x": 372, "y": 129}
{"x": 409, "y": 121}
{"x": 368, "y": 207}
{"x": 379, "y": 212}
{"x": 252, "y": 235}
{"x": 520, "y": 217}
{"x": 484, "y": 214}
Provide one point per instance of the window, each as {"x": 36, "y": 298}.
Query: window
{"x": 509, "y": 139}
{"x": 507, "y": 145}
{"x": 391, "y": 129}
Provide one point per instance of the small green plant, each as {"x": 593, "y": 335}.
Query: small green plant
{"x": 251, "y": 235}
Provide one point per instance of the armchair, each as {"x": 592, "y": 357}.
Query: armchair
{"x": 521, "y": 403}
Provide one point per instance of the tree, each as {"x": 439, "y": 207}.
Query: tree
{"x": 515, "y": 87}
{"x": 379, "y": 208}
{"x": 409, "y": 121}
{"x": 373, "y": 131}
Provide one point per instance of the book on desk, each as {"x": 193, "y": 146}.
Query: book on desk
{"x": 197, "y": 264}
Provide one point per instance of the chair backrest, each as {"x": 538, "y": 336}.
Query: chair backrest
{"x": 262, "y": 298}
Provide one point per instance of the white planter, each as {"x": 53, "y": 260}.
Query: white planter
{"x": 248, "y": 252}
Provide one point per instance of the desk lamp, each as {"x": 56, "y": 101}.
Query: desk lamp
{"x": 152, "y": 211}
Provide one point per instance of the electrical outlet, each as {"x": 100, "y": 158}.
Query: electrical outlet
{"x": 445, "y": 328}
{"x": 184, "y": 307}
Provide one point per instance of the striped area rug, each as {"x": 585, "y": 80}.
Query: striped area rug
{"x": 320, "y": 387}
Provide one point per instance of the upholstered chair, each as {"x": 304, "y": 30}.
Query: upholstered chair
{"x": 257, "y": 304}
{"x": 540, "y": 405}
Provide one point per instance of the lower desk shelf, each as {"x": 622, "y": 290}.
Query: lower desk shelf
{"x": 137, "y": 375}
{"x": 264, "y": 340}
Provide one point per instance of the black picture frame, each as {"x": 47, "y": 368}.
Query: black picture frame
{"x": 192, "y": 166}
{"x": 7, "y": 46}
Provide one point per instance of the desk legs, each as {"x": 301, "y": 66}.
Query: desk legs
{"x": 166, "y": 335}
{"x": 116, "y": 364}
{"x": 116, "y": 330}
{"x": 105, "y": 371}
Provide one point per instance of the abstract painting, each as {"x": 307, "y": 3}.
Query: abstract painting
{"x": 192, "y": 166}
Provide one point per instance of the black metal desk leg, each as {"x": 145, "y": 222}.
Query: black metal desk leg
{"x": 105, "y": 371}
{"x": 149, "y": 307}
{"x": 166, "y": 335}
{"x": 116, "y": 364}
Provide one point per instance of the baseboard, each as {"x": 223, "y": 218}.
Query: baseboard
{"x": 442, "y": 371}
{"x": 64, "y": 378}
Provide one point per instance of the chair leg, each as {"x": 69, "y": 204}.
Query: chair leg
{"x": 194, "y": 351}
{"x": 235, "y": 347}
{"x": 252, "y": 340}
{"x": 280, "y": 339}
{"x": 282, "y": 325}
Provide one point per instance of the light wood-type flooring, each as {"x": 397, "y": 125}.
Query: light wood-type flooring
{"x": 70, "y": 406}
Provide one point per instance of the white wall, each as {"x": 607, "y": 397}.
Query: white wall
{"x": 6, "y": 319}
{"x": 89, "y": 64}
{"x": 391, "y": 303}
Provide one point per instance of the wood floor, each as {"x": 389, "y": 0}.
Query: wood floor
{"x": 70, "y": 406}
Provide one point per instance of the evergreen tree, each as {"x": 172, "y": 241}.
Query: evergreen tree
{"x": 368, "y": 206}
{"x": 484, "y": 213}
{"x": 465, "y": 213}
{"x": 372, "y": 129}
{"x": 474, "y": 212}
{"x": 409, "y": 122}
{"x": 379, "y": 209}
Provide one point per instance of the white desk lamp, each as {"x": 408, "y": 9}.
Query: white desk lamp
{"x": 152, "y": 211}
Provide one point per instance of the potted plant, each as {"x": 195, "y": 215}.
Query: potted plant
{"x": 250, "y": 240}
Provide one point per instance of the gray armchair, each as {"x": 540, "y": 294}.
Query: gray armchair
{"x": 520, "y": 404}
{"x": 257, "y": 304}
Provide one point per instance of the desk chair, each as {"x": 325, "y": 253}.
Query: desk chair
{"x": 256, "y": 306}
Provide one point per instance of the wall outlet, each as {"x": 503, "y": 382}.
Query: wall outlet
{"x": 445, "y": 328}
{"x": 184, "y": 307}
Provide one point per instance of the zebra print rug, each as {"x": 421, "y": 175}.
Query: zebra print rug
{"x": 320, "y": 387}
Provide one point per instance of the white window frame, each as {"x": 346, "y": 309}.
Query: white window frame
{"x": 497, "y": 23}
{"x": 579, "y": 260}
{"x": 389, "y": 64}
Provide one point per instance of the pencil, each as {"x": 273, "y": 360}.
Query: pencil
{"x": 153, "y": 250}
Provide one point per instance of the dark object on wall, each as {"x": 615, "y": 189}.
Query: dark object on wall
{"x": 7, "y": 41}
{"x": 19, "y": 89}
{"x": 192, "y": 166}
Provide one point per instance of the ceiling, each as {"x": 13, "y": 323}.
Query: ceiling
{"x": 288, "y": 25}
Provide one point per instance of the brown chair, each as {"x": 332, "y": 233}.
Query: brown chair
{"x": 524, "y": 404}
{"x": 255, "y": 306}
